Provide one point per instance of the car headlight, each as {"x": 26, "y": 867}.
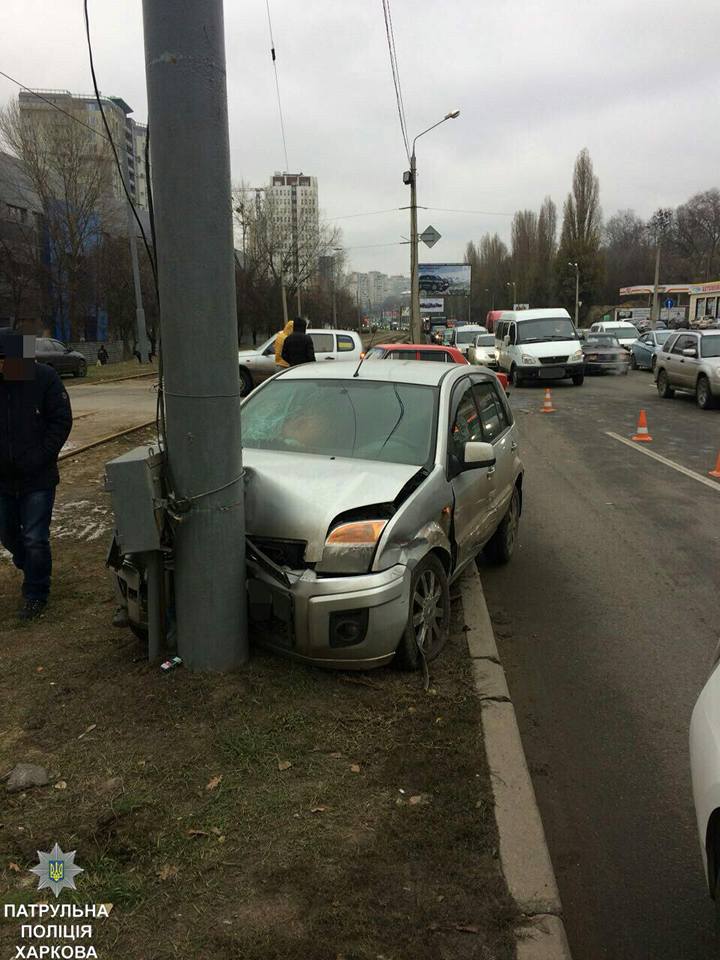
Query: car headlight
{"x": 350, "y": 547}
{"x": 526, "y": 358}
{"x": 574, "y": 357}
{"x": 716, "y": 371}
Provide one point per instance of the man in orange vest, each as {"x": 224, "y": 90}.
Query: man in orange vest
{"x": 280, "y": 340}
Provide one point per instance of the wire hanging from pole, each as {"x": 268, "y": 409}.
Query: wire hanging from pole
{"x": 277, "y": 85}
{"x": 395, "y": 73}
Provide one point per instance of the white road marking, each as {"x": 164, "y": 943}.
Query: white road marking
{"x": 668, "y": 463}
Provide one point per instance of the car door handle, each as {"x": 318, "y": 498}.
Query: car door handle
{"x": 329, "y": 358}
{"x": 491, "y": 471}
{"x": 514, "y": 445}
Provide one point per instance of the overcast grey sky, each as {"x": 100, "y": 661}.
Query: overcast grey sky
{"x": 636, "y": 81}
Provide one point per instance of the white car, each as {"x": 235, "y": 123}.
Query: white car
{"x": 483, "y": 351}
{"x": 259, "y": 365}
{"x": 626, "y": 332}
{"x": 464, "y": 336}
{"x": 705, "y": 769}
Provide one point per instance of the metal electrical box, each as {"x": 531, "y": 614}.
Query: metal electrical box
{"x": 134, "y": 482}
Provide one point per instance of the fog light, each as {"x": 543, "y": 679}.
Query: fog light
{"x": 348, "y": 627}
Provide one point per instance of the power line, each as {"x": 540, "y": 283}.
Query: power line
{"x": 485, "y": 213}
{"x": 395, "y": 73}
{"x": 370, "y": 213}
{"x": 277, "y": 85}
{"x": 54, "y": 105}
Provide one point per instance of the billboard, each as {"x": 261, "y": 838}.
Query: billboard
{"x": 444, "y": 279}
{"x": 432, "y": 305}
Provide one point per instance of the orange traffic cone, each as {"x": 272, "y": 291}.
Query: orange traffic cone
{"x": 716, "y": 472}
{"x": 547, "y": 406}
{"x": 642, "y": 435}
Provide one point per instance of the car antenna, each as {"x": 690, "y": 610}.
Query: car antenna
{"x": 362, "y": 358}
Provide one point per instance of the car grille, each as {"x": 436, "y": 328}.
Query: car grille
{"x": 553, "y": 359}
{"x": 284, "y": 553}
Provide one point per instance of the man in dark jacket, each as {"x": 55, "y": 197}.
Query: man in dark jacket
{"x": 35, "y": 422}
{"x": 298, "y": 346}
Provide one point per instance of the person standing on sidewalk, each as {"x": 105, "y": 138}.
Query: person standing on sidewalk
{"x": 35, "y": 422}
{"x": 298, "y": 347}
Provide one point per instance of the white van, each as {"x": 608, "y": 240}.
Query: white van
{"x": 627, "y": 333}
{"x": 538, "y": 345}
{"x": 464, "y": 335}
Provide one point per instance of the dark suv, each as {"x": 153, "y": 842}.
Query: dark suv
{"x": 63, "y": 359}
{"x": 433, "y": 284}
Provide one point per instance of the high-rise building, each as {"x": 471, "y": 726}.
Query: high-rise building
{"x": 128, "y": 136}
{"x": 293, "y": 207}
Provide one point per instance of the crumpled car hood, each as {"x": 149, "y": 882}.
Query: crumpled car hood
{"x": 294, "y": 496}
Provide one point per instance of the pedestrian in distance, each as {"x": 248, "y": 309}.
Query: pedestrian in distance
{"x": 298, "y": 347}
{"x": 280, "y": 340}
{"x": 35, "y": 422}
{"x": 102, "y": 355}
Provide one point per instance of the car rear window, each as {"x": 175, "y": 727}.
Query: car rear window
{"x": 437, "y": 355}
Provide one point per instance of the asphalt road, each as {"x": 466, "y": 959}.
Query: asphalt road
{"x": 105, "y": 408}
{"x": 606, "y": 621}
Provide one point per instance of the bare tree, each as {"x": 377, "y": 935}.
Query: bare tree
{"x": 524, "y": 252}
{"x": 69, "y": 168}
{"x": 697, "y": 232}
{"x": 544, "y": 291}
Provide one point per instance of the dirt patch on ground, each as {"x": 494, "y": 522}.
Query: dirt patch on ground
{"x": 281, "y": 812}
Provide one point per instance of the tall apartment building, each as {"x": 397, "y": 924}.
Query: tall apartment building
{"x": 293, "y": 204}
{"x": 373, "y": 288}
{"x": 129, "y": 136}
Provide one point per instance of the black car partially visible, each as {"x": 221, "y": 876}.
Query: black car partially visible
{"x": 63, "y": 359}
{"x": 604, "y": 354}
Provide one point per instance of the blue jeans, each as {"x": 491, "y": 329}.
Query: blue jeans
{"x": 25, "y": 532}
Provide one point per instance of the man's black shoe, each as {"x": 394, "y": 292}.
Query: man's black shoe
{"x": 32, "y": 609}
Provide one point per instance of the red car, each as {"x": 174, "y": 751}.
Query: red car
{"x": 415, "y": 351}
{"x": 423, "y": 351}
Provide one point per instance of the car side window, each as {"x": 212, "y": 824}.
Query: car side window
{"x": 323, "y": 342}
{"x": 682, "y": 343}
{"x": 437, "y": 355}
{"x": 42, "y": 345}
{"x": 646, "y": 338}
{"x": 492, "y": 412}
{"x": 466, "y": 425}
{"x": 669, "y": 343}
{"x": 56, "y": 345}
{"x": 401, "y": 355}
{"x": 344, "y": 342}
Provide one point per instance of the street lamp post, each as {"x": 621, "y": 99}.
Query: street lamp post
{"x": 511, "y": 283}
{"x": 492, "y": 297}
{"x": 577, "y": 290}
{"x": 410, "y": 177}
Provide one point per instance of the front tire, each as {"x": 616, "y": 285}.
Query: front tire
{"x": 428, "y": 621}
{"x": 703, "y": 394}
{"x": 501, "y": 546}
{"x": 665, "y": 391}
{"x": 515, "y": 379}
{"x": 81, "y": 370}
{"x": 578, "y": 380}
{"x": 246, "y": 383}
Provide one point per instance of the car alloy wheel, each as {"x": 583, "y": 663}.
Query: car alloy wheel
{"x": 702, "y": 394}
{"x": 428, "y": 616}
{"x": 665, "y": 391}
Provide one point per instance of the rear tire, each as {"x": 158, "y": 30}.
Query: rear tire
{"x": 633, "y": 362}
{"x": 428, "y": 621}
{"x": 665, "y": 391}
{"x": 81, "y": 370}
{"x": 703, "y": 394}
{"x": 246, "y": 383}
{"x": 501, "y": 546}
{"x": 578, "y": 380}
{"x": 515, "y": 379}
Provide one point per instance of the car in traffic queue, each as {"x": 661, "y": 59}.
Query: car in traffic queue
{"x": 258, "y": 365}
{"x": 368, "y": 490}
{"x": 63, "y": 359}
{"x": 603, "y": 354}
{"x": 415, "y": 351}
{"x": 689, "y": 361}
{"x": 540, "y": 344}
{"x": 705, "y": 775}
{"x": 482, "y": 351}
{"x": 626, "y": 332}
{"x": 644, "y": 350}
{"x": 464, "y": 335}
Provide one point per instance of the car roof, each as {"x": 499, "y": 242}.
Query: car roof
{"x": 554, "y": 313}
{"x": 411, "y": 346}
{"x": 389, "y": 371}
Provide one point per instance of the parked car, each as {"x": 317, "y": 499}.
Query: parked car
{"x": 464, "y": 335}
{"x": 603, "y": 354}
{"x": 690, "y": 362}
{"x": 415, "y": 351}
{"x": 368, "y": 492}
{"x": 643, "y": 352}
{"x": 705, "y": 772}
{"x": 539, "y": 345}
{"x": 60, "y": 357}
{"x": 627, "y": 333}
{"x": 483, "y": 351}
{"x": 258, "y": 365}
{"x": 429, "y": 283}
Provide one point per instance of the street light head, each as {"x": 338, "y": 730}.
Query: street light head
{"x": 452, "y": 115}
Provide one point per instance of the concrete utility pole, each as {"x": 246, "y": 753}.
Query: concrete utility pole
{"x": 410, "y": 177}
{"x": 187, "y": 100}
{"x": 577, "y": 291}
{"x": 655, "y": 311}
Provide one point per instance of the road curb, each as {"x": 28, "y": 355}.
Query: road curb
{"x": 97, "y": 383}
{"x": 524, "y": 855}
{"x": 97, "y": 443}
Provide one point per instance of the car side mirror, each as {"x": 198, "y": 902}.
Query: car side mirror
{"x": 478, "y": 454}
{"x": 690, "y": 352}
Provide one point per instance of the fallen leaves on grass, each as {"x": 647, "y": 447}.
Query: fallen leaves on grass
{"x": 354, "y": 768}
{"x": 87, "y": 730}
{"x": 284, "y": 765}
{"x": 168, "y": 871}
{"x": 14, "y": 867}
{"x": 61, "y": 785}
{"x": 198, "y": 833}
{"x": 318, "y": 809}
{"x": 214, "y": 782}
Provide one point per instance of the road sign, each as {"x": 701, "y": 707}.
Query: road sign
{"x": 430, "y": 236}
{"x": 669, "y": 302}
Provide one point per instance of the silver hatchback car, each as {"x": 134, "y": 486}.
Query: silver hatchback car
{"x": 369, "y": 490}
{"x": 690, "y": 361}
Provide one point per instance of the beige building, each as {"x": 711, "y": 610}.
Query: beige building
{"x": 128, "y": 136}
{"x": 293, "y": 204}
